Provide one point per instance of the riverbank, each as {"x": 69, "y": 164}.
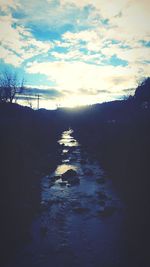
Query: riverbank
{"x": 29, "y": 149}
{"x": 117, "y": 135}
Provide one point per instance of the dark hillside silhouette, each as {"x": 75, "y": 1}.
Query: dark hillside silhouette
{"x": 28, "y": 149}
{"x": 142, "y": 92}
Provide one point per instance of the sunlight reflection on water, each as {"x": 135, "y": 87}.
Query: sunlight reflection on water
{"x": 63, "y": 168}
{"x": 67, "y": 139}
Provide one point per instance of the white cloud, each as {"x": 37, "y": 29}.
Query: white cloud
{"x": 6, "y": 5}
{"x": 91, "y": 40}
{"x": 83, "y": 83}
{"x": 74, "y": 76}
{"x": 128, "y": 19}
{"x": 77, "y": 55}
{"x": 87, "y": 35}
{"x": 109, "y": 9}
{"x": 18, "y": 43}
{"x": 9, "y": 57}
{"x": 134, "y": 55}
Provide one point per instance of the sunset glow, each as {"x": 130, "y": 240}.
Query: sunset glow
{"x": 83, "y": 52}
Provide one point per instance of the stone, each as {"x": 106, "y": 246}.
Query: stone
{"x": 100, "y": 180}
{"x": 73, "y": 180}
{"x": 88, "y": 172}
{"x": 63, "y": 183}
{"x": 55, "y": 178}
{"x": 80, "y": 210}
{"x": 43, "y": 230}
{"x": 68, "y": 174}
{"x": 102, "y": 195}
{"x": 71, "y": 177}
{"x": 101, "y": 202}
{"x": 108, "y": 211}
{"x": 83, "y": 161}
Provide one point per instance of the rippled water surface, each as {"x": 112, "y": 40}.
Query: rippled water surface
{"x": 78, "y": 225}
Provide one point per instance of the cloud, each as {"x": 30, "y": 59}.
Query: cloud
{"x": 77, "y": 55}
{"x": 106, "y": 8}
{"x": 54, "y": 16}
{"x": 48, "y": 98}
{"x": 44, "y": 93}
{"x": 17, "y": 43}
{"x": 5, "y": 6}
{"x": 89, "y": 48}
{"x": 132, "y": 55}
{"x": 127, "y": 20}
{"x": 9, "y": 57}
{"x": 92, "y": 39}
{"x": 74, "y": 76}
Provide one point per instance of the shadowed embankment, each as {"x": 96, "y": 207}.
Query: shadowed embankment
{"x": 118, "y": 135}
{"x": 28, "y": 149}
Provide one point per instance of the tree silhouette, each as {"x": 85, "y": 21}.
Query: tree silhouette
{"x": 10, "y": 86}
{"x": 142, "y": 92}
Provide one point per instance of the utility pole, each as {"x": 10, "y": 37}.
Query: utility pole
{"x": 38, "y": 101}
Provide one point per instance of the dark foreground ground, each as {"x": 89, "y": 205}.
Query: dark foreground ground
{"x": 116, "y": 134}
{"x": 28, "y": 149}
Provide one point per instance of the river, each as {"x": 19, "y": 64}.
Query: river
{"x": 77, "y": 225}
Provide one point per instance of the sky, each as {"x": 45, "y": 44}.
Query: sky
{"x": 75, "y": 52}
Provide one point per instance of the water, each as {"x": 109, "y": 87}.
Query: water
{"x": 78, "y": 225}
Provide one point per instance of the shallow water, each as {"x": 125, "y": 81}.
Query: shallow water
{"x": 79, "y": 225}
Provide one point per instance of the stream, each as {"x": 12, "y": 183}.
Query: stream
{"x": 78, "y": 224}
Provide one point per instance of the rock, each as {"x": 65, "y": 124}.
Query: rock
{"x": 73, "y": 180}
{"x": 80, "y": 210}
{"x": 102, "y": 195}
{"x": 55, "y": 178}
{"x": 100, "y": 180}
{"x": 43, "y": 230}
{"x": 55, "y": 201}
{"x": 108, "y": 211}
{"x": 101, "y": 202}
{"x": 75, "y": 204}
{"x": 63, "y": 183}
{"x": 51, "y": 184}
{"x": 73, "y": 159}
{"x": 70, "y": 176}
{"x": 83, "y": 161}
{"x": 43, "y": 206}
{"x": 88, "y": 172}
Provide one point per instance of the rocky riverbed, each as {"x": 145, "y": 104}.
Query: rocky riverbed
{"x": 81, "y": 217}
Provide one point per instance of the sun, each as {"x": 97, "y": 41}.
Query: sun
{"x": 76, "y": 101}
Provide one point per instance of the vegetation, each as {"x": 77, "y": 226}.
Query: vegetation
{"x": 10, "y": 86}
{"x": 142, "y": 92}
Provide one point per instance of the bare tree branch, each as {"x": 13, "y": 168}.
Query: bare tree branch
{"x": 10, "y": 86}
